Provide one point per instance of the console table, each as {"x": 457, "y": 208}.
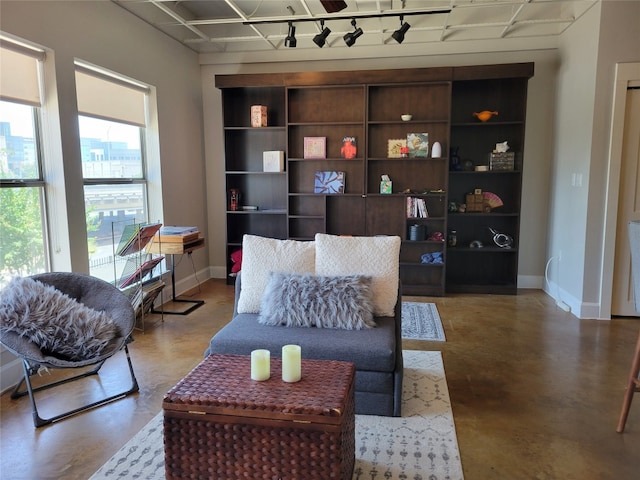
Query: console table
{"x": 173, "y": 249}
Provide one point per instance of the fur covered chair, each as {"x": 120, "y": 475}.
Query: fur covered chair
{"x": 64, "y": 320}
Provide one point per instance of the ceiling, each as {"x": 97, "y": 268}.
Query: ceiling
{"x": 216, "y": 26}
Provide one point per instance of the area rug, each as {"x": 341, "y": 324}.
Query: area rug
{"x": 422, "y": 444}
{"x": 421, "y": 321}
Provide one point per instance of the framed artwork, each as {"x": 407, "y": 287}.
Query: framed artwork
{"x": 328, "y": 182}
{"x": 418, "y": 144}
{"x": 394, "y": 146}
{"x": 315, "y": 147}
{"x": 349, "y": 147}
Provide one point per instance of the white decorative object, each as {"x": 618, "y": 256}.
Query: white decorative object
{"x": 502, "y": 147}
{"x": 261, "y": 255}
{"x": 436, "y": 150}
{"x": 273, "y": 161}
{"x": 260, "y": 365}
{"x": 291, "y": 363}
{"x": 377, "y": 257}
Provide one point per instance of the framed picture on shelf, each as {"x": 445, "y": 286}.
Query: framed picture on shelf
{"x": 394, "y": 145}
{"x": 315, "y": 147}
{"x": 328, "y": 182}
{"x": 349, "y": 147}
{"x": 418, "y": 144}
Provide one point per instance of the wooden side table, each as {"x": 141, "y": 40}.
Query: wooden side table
{"x": 173, "y": 249}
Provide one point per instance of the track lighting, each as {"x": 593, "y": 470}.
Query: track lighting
{"x": 351, "y": 37}
{"x": 398, "y": 35}
{"x": 291, "y": 41}
{"x": 321, "y": 38}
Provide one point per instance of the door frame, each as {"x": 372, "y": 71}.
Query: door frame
{"x": 627, "y": 74}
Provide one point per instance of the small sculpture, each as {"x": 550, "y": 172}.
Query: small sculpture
{"x": 484, "y": 115}
{"x": 502, "y": 240}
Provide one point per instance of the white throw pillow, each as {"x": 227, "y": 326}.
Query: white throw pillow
{"x": 261, "y": 255}
{"x": 377, "y": 257}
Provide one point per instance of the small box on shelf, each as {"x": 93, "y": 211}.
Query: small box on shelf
{"x": 501, "y": 160}
{"x": 273, "y": 161}
{"x": 258, "y": 116}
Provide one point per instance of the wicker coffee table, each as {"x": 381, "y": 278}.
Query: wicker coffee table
{"x": 220, "y": 424}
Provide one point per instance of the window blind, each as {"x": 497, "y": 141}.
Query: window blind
{"x": 110, "y": 98}
{"x": 19, "y": 74}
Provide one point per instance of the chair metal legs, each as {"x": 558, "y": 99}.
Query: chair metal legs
{"x": 39, "y": 421}
{"x": 633, "y": 386}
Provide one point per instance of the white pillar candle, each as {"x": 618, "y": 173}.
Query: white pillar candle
{"x": 260, "y": 365}
{"x": 291, "y": 363}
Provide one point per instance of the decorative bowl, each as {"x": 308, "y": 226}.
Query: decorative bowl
{"x": 406, "y": 117}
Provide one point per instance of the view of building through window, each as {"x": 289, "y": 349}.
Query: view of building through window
{"x": 115, "y": 192}
{"x": 22, "y": 227}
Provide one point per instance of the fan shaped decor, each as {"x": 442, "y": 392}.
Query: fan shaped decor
{"x": 491, "y": 199}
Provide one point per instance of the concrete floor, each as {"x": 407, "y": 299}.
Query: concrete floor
{"x": 536, "y": 393}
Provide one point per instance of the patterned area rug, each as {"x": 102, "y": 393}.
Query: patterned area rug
{"x": 421, "y": 321}
{"x": 422, "y": 444}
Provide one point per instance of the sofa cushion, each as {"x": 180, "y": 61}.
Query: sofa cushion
{"x": 371, "y": 349}
{"x": 378, "y": 257}
{"x": 296, "y": 300}
{"x": 260, "y": 256}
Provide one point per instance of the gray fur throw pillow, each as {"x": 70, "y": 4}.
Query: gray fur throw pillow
{"x": 305, "y": 300}
{"x": 59, "y": 325}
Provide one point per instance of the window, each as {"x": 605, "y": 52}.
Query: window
{"x": 23, "y": 233}
{"x": 112, "y": 132}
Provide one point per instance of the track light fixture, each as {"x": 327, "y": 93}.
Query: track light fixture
{"x": 398, "y": 35}
{"x": 321, "y": 38}
{"x": 291, "y": 41}
{"x": 351, "y": 37}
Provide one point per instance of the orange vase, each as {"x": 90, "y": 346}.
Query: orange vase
{"x": 484, "y": 115}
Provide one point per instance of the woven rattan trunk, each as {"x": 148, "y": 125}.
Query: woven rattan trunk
{"x": 220, "y": 424}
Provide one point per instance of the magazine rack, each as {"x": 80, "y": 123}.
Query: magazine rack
{"x": 136, "y": 279}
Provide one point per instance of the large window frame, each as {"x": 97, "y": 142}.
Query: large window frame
{"x": 108, "y": 101}
{"x": 24, "y": 246}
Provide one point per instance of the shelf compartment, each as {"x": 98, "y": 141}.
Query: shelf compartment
{"x": 273, "y": 226}
{"x": 425, "y": 101}
{"x": 507, "y": 96}
{"x": 334, "y": 134}
{"x": 422, "y": 174}
{"x": 346, "y": 215}
{"x": 244, "y": 147}
{"x": 237, "y": 102}
{"x": 380, "y": 134}
{"x": 319, "y": 104}
{"x": 267, "y": 192}
{"x": 302, "y": 175}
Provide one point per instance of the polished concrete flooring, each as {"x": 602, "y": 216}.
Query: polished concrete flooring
{"x": 536, "y": 393}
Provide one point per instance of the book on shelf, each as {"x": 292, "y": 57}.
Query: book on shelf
{"x": 135, "y": 237}
{"x": 140, "y": 272}
{"x": 417, "y": 208}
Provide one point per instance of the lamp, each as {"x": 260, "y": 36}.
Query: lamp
{"x": 291, "y": 41}
{"x": 321, "y": 38}
{"x": 398, "y": 35}
{"x": 351, "y": 37}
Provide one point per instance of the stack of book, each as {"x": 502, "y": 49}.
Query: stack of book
{"x": 178, "y": 235}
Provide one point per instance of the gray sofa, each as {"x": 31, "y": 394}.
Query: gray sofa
{"x": 376, "y": 352}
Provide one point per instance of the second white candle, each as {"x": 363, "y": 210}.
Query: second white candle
{"x": 291, "y": 363}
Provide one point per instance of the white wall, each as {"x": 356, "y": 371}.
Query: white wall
{"x": 589, "y": 51}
